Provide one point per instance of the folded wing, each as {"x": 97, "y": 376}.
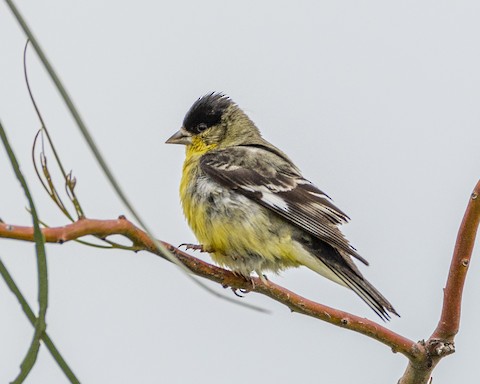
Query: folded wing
{"x": 275, "y": 183}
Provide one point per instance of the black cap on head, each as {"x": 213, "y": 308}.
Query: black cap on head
{"x": 206, "y": 112}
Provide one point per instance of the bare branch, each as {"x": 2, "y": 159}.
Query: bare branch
{"x": 423, "y": 356}
{"x": 449, "y": 322}
{"x": 441, "y": 344}
{"x": 295, "y": 302}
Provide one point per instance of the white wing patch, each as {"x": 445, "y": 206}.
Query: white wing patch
{"x": 320, "y": 195}
{"x": 274, "y": 200}
{"x": 271, "y": 181}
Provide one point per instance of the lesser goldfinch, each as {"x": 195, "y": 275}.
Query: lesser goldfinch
{"x": 252, "y": 210}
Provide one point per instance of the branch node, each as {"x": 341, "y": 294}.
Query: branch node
{"x": 418, "y": 350}
{"x": 122, "y": 217}
{"x": 474, "y": 195}
{"x": 465, "y": 262}
{"x": 344, "y": 321}
{"x": 440, "y": 348}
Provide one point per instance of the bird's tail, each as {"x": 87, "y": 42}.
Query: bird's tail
{"x": 341, "y": 269}
{"x": 367, "y": 292}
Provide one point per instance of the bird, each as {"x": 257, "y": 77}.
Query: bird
{"x": 250, "y": 207}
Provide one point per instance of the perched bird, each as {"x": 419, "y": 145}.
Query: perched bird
{"x": 252, "y": 210}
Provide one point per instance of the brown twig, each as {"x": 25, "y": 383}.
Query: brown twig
{"x": 295, "y": 302}
{"x": 441, "y": 342}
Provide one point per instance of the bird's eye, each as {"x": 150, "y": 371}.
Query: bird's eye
{"x": 201, "y": 127}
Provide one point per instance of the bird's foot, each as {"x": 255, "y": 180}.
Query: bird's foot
{"x": 243, "y": 291}
{"x": 236, "y": 291}
{"x": 195, "y": 247}
{"x": 263, "y": 278}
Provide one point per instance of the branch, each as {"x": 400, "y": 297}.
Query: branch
{"x": 449, "y": 322}
{"x": 296, "y": 303}
{"x": 441, "y": 343}
{"x": 423, "y": 356}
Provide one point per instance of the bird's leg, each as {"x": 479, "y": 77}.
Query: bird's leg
{"x": 263, "y": 278}
{"x": 242, "y": 290}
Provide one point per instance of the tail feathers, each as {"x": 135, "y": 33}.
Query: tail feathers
{"x": 367, "y": 292}
{"x": 346, "y": 272}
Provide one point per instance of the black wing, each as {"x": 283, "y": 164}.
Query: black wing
{"x": 276, "y": 184}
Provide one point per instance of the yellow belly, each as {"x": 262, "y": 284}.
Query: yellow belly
{"x": 238, "y": 232}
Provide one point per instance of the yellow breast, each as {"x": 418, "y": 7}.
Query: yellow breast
{"x": 191, "y": 194}
{"x": 242, "y": 234}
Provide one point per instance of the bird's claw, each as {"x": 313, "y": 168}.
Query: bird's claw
{"x": 193, "y": 247}
{"x": 236, "y": 290}
{"x": 243, "y": 291}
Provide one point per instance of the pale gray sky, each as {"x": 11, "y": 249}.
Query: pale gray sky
{"x": 377, "y": 102}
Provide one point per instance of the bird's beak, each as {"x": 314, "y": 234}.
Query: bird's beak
{"x": 182, "y": 136}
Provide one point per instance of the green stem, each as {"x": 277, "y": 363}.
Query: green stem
{"x": 40, "y": 325}
{"x": 96, "y": 152}
{"x": 31, "y": 317}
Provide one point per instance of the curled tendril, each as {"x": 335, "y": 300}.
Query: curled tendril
{"x": 42, "y": 170}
